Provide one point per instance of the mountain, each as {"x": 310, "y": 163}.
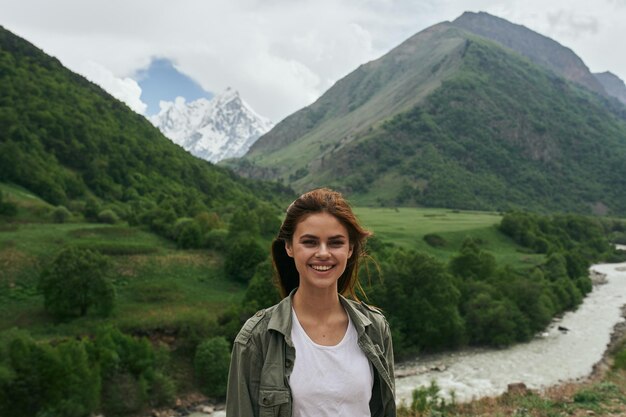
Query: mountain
{"x": 540, "y": 49}
{"x": 613, "y": 85}
{"x": 224, "y": 127}
{"x": 67, "y": 140}
{"x": 453, "y": 119}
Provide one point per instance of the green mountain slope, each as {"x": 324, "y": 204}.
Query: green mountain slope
{"x": 485, "y": 128}
{"x": 502, "y": 133}
{"x": 66, "y": 139}
{"x": 369, "y": 95}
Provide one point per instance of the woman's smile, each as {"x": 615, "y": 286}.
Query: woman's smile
{"x": 322, "y": 268}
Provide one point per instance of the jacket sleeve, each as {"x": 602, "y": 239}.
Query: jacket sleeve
{"x": 242, "y": 394}
{"x": 389, "y": 355}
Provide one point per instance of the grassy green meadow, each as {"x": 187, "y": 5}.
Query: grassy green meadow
{"x": 157, "y": 285}
{"x": 406, "y": 227}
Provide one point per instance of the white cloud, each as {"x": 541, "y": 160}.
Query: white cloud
{"x": 124, "y": 89}
{"x": 282, "y": 54}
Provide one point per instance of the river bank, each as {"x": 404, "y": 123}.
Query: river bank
{"x": 617, "y": 341}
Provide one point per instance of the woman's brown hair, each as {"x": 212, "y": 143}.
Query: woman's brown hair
{"x": 321, "y": 200}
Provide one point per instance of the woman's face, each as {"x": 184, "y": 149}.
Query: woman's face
{"x": 320, "y": 248}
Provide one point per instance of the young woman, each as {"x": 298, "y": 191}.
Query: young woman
{"x": 316, "y": 353}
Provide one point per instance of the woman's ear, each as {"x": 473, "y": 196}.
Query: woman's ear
{"x": 288, "y": 249}
{"x": 350, "y": 252}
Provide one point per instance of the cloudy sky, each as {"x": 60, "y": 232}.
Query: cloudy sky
{"x": 280, "y": 54}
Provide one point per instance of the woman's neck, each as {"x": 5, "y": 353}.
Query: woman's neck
{"x": 319, "y": 303}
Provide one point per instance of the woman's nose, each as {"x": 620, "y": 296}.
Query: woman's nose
{"x": 322, "y": 251}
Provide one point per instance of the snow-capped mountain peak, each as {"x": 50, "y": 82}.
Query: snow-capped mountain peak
{"x": 223, "y": 127}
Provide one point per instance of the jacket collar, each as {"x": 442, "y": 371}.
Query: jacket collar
{"x": 281, "y": 317}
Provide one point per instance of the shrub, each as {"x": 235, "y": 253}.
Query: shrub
{"x": 190, "y": 236}
{"x": 108, "y": 216}
{"x": 61, "y": 214}
{"x": 435, "y": 240}
{"x": 211, "y": 365}
{"x": 262, "y": 291}
{"x": 216, "y": 239}
{"x": 91, "y": 209}
{"x": 427, "y": 399}
{"x": 208, "y": 221}
{"x": 244, "y": 254}
{"x": 123, "y": 394}
{"x": 587, "y": 396}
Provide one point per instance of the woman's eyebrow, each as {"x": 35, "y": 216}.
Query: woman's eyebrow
{"x": 307, "y": 236}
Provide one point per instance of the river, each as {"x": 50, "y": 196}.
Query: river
{"x": 549, "y": 359}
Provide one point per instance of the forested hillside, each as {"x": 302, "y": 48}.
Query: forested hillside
{"x": 67, "y": 140}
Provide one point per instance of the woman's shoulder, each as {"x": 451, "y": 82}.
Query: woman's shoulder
{"x": 373, "y": 313}
{"x": 255, "y": 325}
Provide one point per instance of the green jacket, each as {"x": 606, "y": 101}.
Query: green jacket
{"x": 263, "y": 357}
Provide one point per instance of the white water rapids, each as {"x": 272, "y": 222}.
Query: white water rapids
{"x": 554, "y": 357}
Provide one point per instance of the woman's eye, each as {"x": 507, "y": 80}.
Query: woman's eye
{"x": 336, "y": 244}
{"x": 308, "y": 242}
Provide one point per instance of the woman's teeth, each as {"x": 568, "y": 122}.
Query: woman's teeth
{"x": 321, "y": 267}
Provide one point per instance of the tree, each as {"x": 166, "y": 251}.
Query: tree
{"x": 77, "y": 280}
{"x": 190, "y": 235}
{"x": 244, "y": 221}
{"x": 61, "y": 214}
{"x": 496, "y": 322}
{"x": 244, "y": 254}
{"x": 46, "y": 380}
{"x": 472, "y": 262}
{"x": 262, "y": 291}
{"x": 422, "y": 301}
{"x": 211, "y": 365}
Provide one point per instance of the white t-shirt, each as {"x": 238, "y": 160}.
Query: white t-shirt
{"x": 330, "y": 381}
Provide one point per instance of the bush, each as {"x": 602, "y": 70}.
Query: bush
{"x": 427, "y": 401}
{"x": 76, "y": 281}
{"x": 91, "y": 209}
{"x": 123, "y": 394}
{"x": 61, "y": 214}
{"x": 435, "y": 240}
{"x": 132, "y": 372}
{"x": 211, "y": 365}
{"x": 108, "y": 216}
{"x": 190, "y": 236}
{"x": 262, "y": 291}
{"x": 244, "y": 254}
{"x": 216, "y": 239}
